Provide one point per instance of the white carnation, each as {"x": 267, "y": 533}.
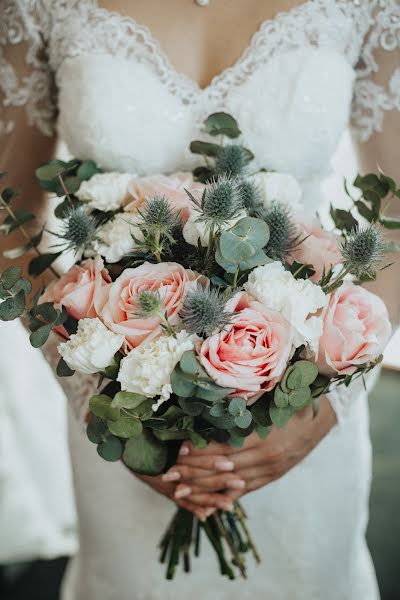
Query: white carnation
{"x": 106, "y": 191}
{"x": 279, "y": 187}
{"x": 115, "y": 237}
{"x": 295, "y": 299}
{"x": 195, "y": 230}
{"x": 147, "y": 369}
{"x": 91, "y": 348}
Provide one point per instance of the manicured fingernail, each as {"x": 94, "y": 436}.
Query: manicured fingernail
{"x": 225, "y": 505}
{"x": 184, "y": 451}
{"x": 183, "y": 492}
{"x": 171, "y": 476}
{"x": 209, "y": 511}
{"x": 236, "y": 484}
{"x": 201, "y": 517}
{"x": 224, "y": 465}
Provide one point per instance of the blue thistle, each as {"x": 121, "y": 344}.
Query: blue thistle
{"x": 251, "y": 195}
{"x": 363, "y": 250}
{"x": 149, "y": 304}
{"x": 78, "y": 229}
{"x": 158, "y": 214}
{"x": 221, "y": 201}
{"x": 204, "y": 311}
{"x": 282, "y": 230}
{"x": 231, "y": 159}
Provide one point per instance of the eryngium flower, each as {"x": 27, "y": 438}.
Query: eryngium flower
{"x": 231, "y": 159}
{"x": 149, "y": 304}
{"x": 203, "y": 311}
{"x": 363, "y": 250}
{"x": 221, "y": 201}
{"x": 158, "y": 214}
{"x": 252, "y": 198}
{"x": 282, "y": 230}
{"x": 78, "y": 230}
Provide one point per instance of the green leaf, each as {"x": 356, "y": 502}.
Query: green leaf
{"x": 260, "y": 412}
{"x": 343, "y": 219}
{"x": 96, "y": 430}
{"x": 22, "y": 284}
{"x": 217, "y": 410}
{"x": 10, "y": 276}
{"x": 203, "y": 174}
{"x": 72, "y": 184}
{"x": 236, "y": 406}
{"x": 63, "y": 370}
{"x": 220, "y": 123}
{"x": 228, "y": 266}
{"x": 127, "y": 400}
{"x": 190, "y": 365}
{"x": 11, "y": 223}
{"x": 262, "y": 432}
{"x": 300, "y": 397}
{"x": 236, "y": 442}
{"x": 366, "y": 212}
{"x": 8, "y": 194}
{"x": 280, "y": 415}
{"x": 388, "y": 181}
{"x": 301, "y": 271}
{"x": 259, "y": 258}
{"x": 309, "y": 371}
{"x": 50, "y": 170}
{"x": 205, "y": 148}
{"x": 197, "y": 440}
{"x": 87, "y": 169}
{"x": 390, "y": 223}
{"x": 13, "y": 307}
{"x": 62, "y": 209}
{"x": 111, "y": 449}
{"x": 41, "y": 263}
{"x": 100, "y": 405}
{"x": 206, "y": 390}
{"x": 40, "y": 336}
{"x": 244, "y": 419}
{"x": 145, "y": 454}
{"x": 191, "y": 407}
{"x": 125, "y": 427}
{"x": 253, "y": 230}
{"x": 281, "y": 398}
{"x": 235, "y": 248}
{"x": 47, "y": 311}
{"x": 182, "y": 385}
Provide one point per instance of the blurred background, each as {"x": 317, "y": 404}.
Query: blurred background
{"x": 38, "y": 525}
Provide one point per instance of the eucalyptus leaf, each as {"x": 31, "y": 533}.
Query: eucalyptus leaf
{"x": 63, "y": 370}
{"x": 220, "y": 123}
{"x": 182, "y": 385}
{"x": 145, "y": 454}
{"x": 12, "y": 307}
{"x": 197, "y": 440}
{"x": 234, "y": 248}
{"x": 50, "y": 170}
{"x": 280, "y": 415}
{"x": 309, "y": 371}
{"x": 87, "y": 169}
{"x": 10, "y": 276}
{"x": 205, "y": 148}
{"x": 281, "y": 398}
{"x": 300, "y": 397}
{"x": 111, "y": 449}
{"x": 262, "y": 432}
{"x": 390, "y": 223}
{"x": 260, "y": 412}
{"x": 191, "y": 407}
{"x": 244, "y": 419}
{"x": 127, "y": 400}
{"x": 40, "y": 336}
{"x": 96, "y": 430}
{"x": 236, "y": 406}
{"x": 42, "y": 262}
{"x": 100, "y": 405}
{"x": 125, "y": 427}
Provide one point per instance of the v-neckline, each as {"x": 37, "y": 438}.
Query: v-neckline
{"x": 185, "y": 79}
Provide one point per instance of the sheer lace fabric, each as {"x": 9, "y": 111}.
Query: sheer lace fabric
{"x": 305, "y": 75}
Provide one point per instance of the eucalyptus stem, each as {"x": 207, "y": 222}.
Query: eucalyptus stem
{"x": 332, "y": 284}
{"x": 26, "y": 235}
{"x": 242, "y": 520}
{"x": 66, "y": 192}
{"x": 237, "y": 559}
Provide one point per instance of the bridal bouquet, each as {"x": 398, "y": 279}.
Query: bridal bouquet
{"x": 208, "y": 304}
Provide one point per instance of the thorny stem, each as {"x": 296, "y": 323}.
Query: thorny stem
{"x": 25, "y": 233}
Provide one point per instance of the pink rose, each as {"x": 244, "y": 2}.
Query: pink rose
{"x": 77, "y": 290}
{"x": 251, "y": 354}
{"x": 356, "y": 329}
{"x": 119, "y": 303}
{"x": 320, "y": 248}
{"x": 172, "y": 187}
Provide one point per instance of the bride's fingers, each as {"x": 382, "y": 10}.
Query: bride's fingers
{"x": 212, "y": 448}
{"x": 212, "y": 500}
{"x": 210, "y": 462}
{"x": 199, "y": 511}
{"x": 185, "y": 473}
{"x": 211, "y": 484}
{"x": 204, "y": 478}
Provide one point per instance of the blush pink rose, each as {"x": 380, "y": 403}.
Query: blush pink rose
{"x": 319, "y": 248}
{"x": 172, "y": 187}
{"x": 77, "y": 290}
{"x": 119, "y": 309}
{"x": 356, "y": 330}
{"x": 251, "y": 354}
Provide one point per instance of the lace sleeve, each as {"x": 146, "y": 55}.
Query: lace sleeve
{"x": 377, "y": 86}
{"x": 25, "y": 77}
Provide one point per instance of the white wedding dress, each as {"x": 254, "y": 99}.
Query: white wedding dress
{"x": 305, "y": 75}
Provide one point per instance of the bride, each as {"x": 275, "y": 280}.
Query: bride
{"x": 128, "y": 84}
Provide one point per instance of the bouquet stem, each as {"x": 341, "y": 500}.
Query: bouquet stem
{"x": 227, "y": 532}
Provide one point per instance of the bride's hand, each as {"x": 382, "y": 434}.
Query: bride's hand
{"x": 258, "y": 463}
{"x": 168, "y": 489}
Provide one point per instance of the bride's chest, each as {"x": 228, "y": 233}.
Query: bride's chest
{"x": 123, "y": 104}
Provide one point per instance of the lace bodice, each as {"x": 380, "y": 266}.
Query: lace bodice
{"x": 292, "y": 90}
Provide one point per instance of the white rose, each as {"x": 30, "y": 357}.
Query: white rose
{"x": 195, "y": 230}
{"x": 106, "y": 191}
{"x": 115, "y": 237}
{"x": 295, "y": 299}
{"x": 147, "y": 369}
{"x": 279, "y": 187}
{"x": 91, "y": 348}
